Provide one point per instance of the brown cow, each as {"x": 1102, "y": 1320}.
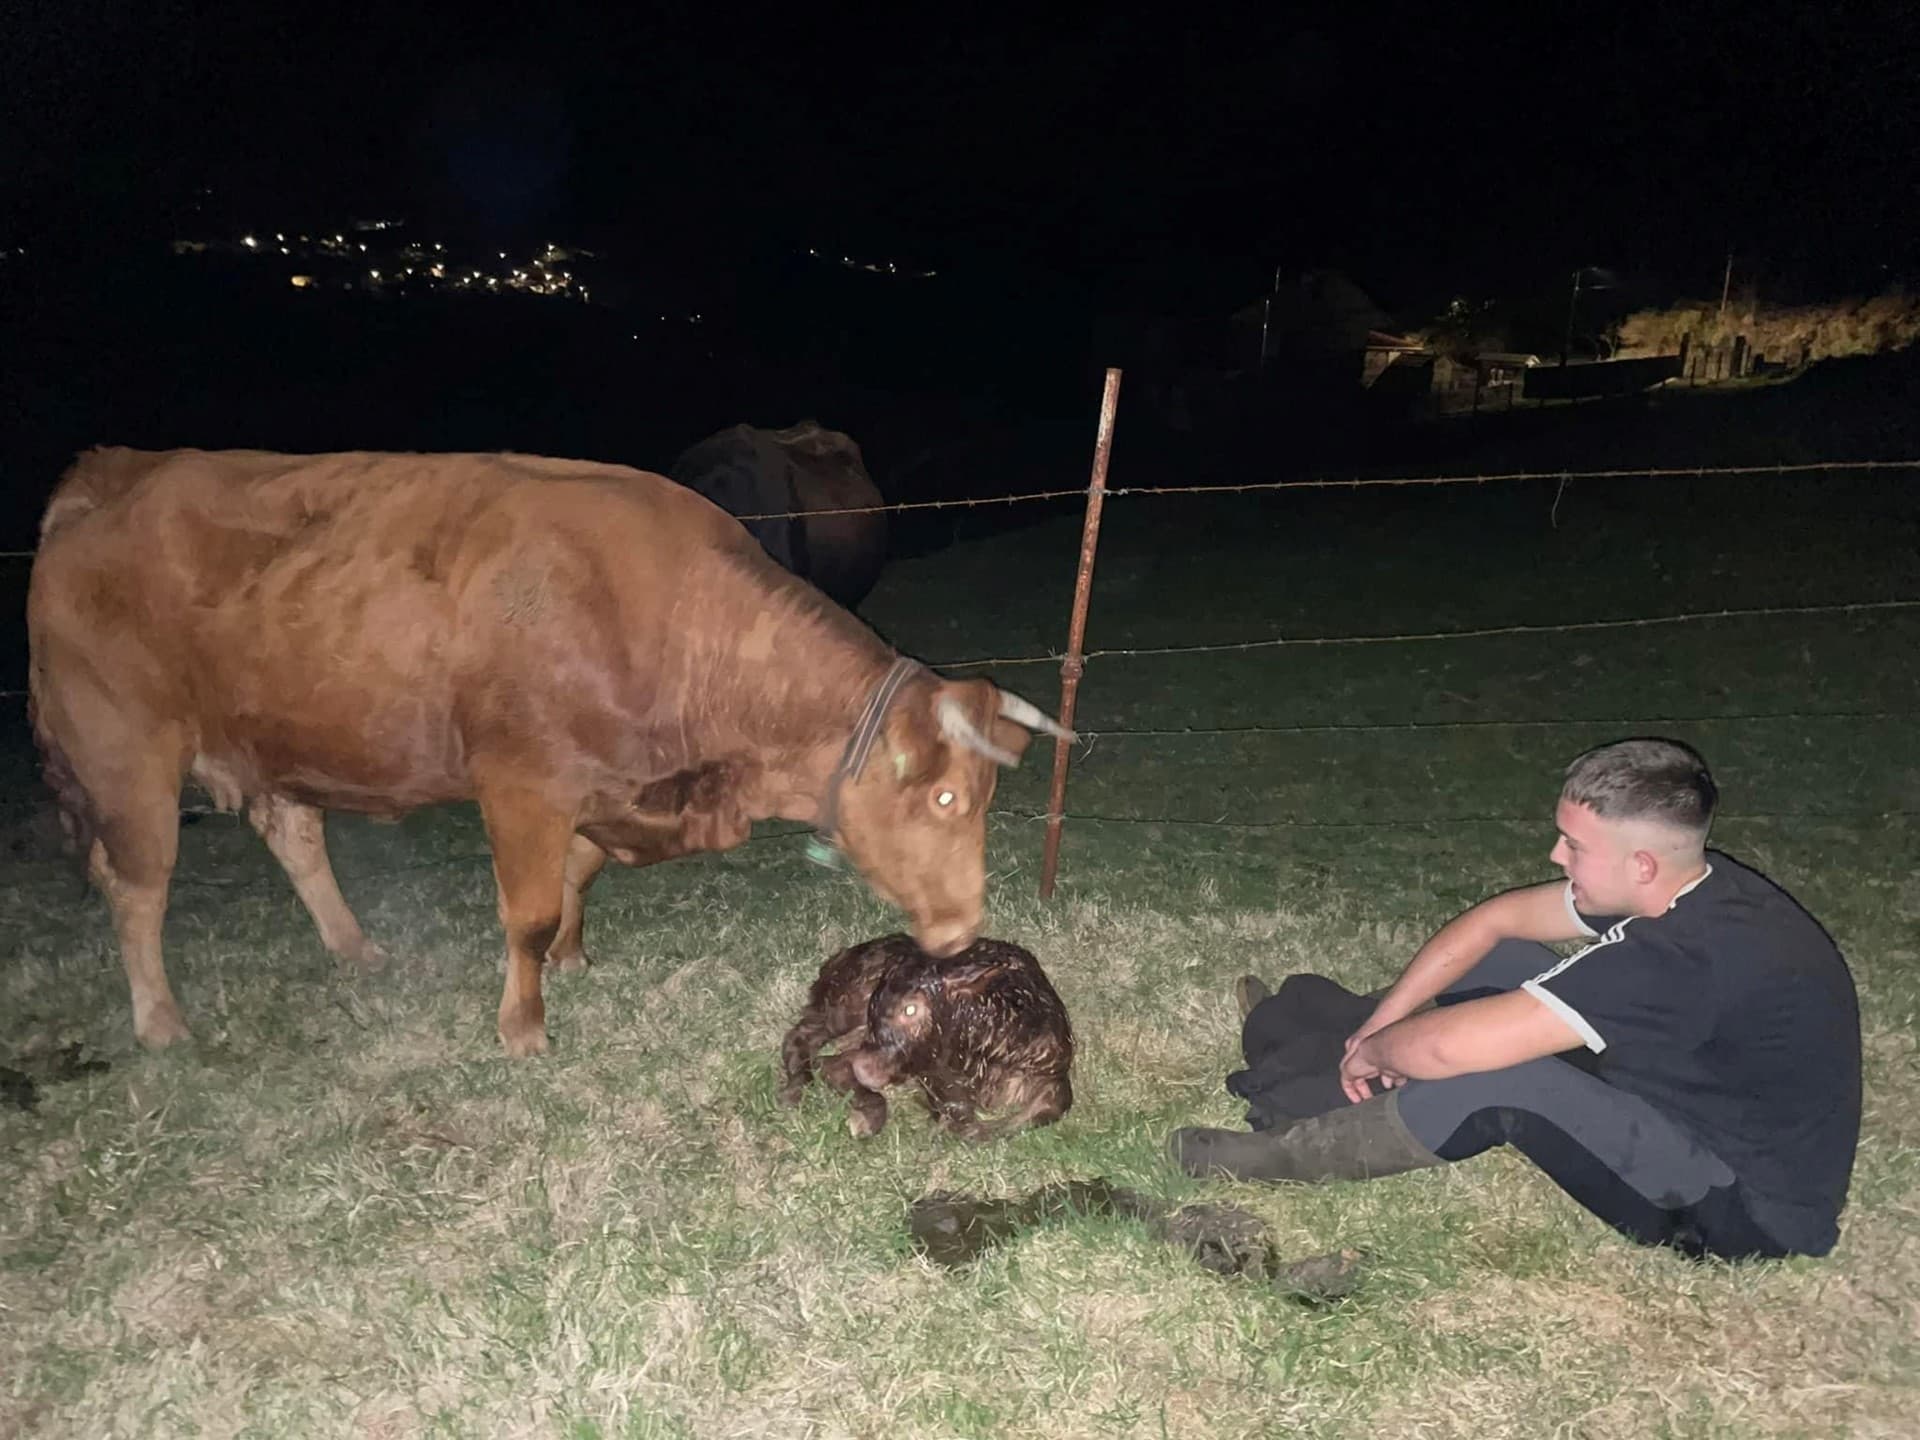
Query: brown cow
{"x": 606, "y": 662}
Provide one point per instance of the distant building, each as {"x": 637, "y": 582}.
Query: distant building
{"x": 1318, "y": 322}
{"x": 1384, "y": 349}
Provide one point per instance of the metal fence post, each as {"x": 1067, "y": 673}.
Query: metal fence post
{"x": 1074, "y": 665}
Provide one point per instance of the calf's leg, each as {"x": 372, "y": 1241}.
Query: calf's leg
{"x": 841, "y": 1072}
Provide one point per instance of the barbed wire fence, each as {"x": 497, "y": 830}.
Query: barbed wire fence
{"x": 1073, "y": 660}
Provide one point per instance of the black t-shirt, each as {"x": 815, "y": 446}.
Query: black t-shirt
{"x": 1734, "y": 1014}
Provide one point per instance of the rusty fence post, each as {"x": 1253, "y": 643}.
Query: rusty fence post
{"x": 1074, "y": 665}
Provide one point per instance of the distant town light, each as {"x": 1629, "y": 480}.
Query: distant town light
{"x": 300, "y": 282}
{"x": 251, "y": 243}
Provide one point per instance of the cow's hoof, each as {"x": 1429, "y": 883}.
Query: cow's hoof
{"x": 789, "y": 1095}
{"x": 524, "y": 1040}
{"x": 366, "y": 959}
{"x": 862, "y": 1126}
{"x": 160, "y": 1027}
{"x": 573, "y": 963}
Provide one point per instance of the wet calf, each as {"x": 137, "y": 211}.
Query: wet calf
{"x": 982, "y": 1033}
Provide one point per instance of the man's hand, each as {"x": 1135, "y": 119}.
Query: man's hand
{"x": 1378, "y": 1020}
{"x": 1384, "y": 1014}
{"x": 1358, "y": 1074}
{"x": 1491, "y": 1033}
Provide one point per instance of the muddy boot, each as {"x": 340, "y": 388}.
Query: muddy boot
{"x": 1249, "y": 991}
{"x": 1355, "y": 1142}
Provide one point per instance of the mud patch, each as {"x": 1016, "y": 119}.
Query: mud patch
{"x": 953, "y": 1229}
{"x": 20, "y": 1088}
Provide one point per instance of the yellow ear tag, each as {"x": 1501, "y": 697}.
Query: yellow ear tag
{"x": 899, "y": 766}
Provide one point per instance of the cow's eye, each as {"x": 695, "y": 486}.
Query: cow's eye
{"x": 943, "y": 799}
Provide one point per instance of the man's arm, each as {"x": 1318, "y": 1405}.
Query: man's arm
{"x": 1464, "y": 1039}
{"x": 1537, "y": 912}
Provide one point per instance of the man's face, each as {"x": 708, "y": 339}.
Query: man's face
{"x": 1598, "y": 856}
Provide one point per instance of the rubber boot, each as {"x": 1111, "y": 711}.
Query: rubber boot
{"x": 1249, "y": 991}
{"x": 1355, "y": 1142}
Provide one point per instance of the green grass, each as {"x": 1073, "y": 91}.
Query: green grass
{"x": 341, "y": 1211}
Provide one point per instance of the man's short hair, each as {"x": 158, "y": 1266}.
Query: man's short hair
{"x": 1651, "y": 779}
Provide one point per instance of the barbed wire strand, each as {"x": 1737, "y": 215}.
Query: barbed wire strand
{"x": 1278, "y": 641}
{"x": 1690, "y": 472}
{"x": 1090, "y": 737}
{"x": 1198, "y": 732}
{"x": 1411, "y": 637}
{"x": 801, "y": 831}
{"x": 1415, "y": 823}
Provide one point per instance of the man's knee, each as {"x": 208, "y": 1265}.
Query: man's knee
{"x": 1304, "y": 1007}
{"x": 1552, "y": 1088}
{"x": 1507, "y": 966}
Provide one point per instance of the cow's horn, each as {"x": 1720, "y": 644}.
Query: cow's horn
{"x": 1024, "y": 712}
{"x": 955, "y": 725}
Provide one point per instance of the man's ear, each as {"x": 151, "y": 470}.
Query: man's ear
{"x": 1646, "y": 866}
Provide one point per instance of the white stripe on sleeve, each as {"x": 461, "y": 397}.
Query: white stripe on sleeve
{"x": 1575, "y": 1020}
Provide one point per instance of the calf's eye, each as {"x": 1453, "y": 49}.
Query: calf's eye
{"x": 943, "y": 799}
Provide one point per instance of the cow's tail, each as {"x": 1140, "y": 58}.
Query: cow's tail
{"x": 76, "y": 806}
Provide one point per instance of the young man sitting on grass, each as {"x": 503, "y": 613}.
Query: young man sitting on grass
{"x": 1691, "y": 1076}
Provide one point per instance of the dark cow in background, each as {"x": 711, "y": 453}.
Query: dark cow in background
{"x": 746, "y": 470}
{"x": 605, "y": 661}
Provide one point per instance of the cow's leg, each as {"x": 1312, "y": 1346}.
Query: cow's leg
{"x": 136, "y": 788}
{"x": 529, "y": 836}
{"x": 585, "y": 861}
{"x": 297, "y": 836}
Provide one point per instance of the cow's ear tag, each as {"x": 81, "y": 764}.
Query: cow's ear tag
{"x": 828, "y": 857}
{"x": 899, "y": 765}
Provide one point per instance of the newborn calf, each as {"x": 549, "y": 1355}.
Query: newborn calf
{"x": 980, "y": 1031}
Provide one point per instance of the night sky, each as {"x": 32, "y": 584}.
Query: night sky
{"x": 1159, "y": 155}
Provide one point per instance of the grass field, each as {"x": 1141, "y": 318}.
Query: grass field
{"x": 341, "y": 1211}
